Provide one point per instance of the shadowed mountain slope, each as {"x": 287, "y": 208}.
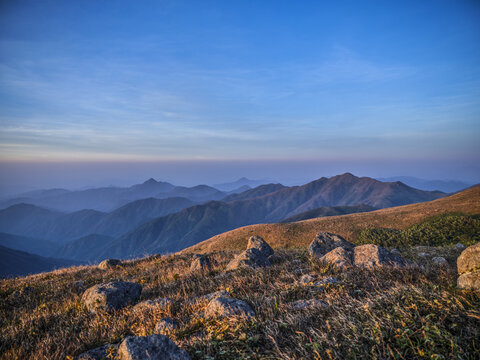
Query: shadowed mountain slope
{"x": 256, "y": 192}
{"x": 82, "y": 249}
{"x": 18, "y": 263}
{"x": 329, "y": 211}
{"x": 194, "y": 224}
{"x": 31, "y": 245}
{"x": 300, "y": 234}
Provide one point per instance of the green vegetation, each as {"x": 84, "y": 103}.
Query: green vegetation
{"x": 440, "y": 230}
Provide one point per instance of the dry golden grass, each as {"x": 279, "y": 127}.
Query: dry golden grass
{"x": 300, "y": 234}
{"x": 385, "y": 314}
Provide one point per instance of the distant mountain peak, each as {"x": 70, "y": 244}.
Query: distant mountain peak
{"x": 150, "y": 181}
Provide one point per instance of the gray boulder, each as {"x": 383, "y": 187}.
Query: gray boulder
{"x": 373, "y": 256}
{"x": 109, "y": 264}
{"x": 440, "y": 261}
{"x": 469, "y": 259}
{"x": 459, "y": 247}
{"x": 166, "y": 326}
{"x": 468, "y": 265}
{"x": 225, "y": 307}
{"x": 219, "y": 293}
{"x": 153, "y": 347}
{"x": 200, "y": 263}
{"x": 100, "y": 353}
{"x": 111, "y": 296}
{"x": 256, "y": 242}
{"x": 325, "y": 242}
{"x": 250, "y": 259}
{"x": 339, "y": 257}
{"x": 469, "y": 281}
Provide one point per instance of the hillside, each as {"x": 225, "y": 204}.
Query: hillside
{"x": 300, "y": 234}
{"x": 197, "y": 223}
{"x": 20, "y": 263}
{"x": 329, "y": 211}
{"x": 32, "y": 245}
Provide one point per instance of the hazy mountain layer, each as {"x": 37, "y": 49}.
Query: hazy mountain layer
{"x": 197, "y": 223}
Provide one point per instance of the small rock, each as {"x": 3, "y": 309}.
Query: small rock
{"x": 109, "y": 264}
{"x": 228, "y": 307}
{"x": 200, "y": 263}
{"x": 325, "y": 242}
{"x": 469, "y": 259}
{"x": 459, "y": 247}
{"x": 103, "y": 352}
{"x": 372, "y": 256}
{"x": 440, "y": 261}
{"x": 153, "y": 347}
{"x": 166, "y": 326}
{"x": 219, "y": 293}
{"x": 250, "y": 258}
{"x": 339, "y": 257}
{"x": 298, "y": 271}
{"x": 396, "y": 251}
{"x": 423, "y": 254}
{"x": 469, "y": 281}
{"x": 256, "y": 242}
{"x": 156, "y": 304}
{"x": 111, "y": 296}
{"x": 308, "y": 304}
{"x": 306, "y": 279}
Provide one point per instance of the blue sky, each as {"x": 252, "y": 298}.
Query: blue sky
{"x": 163, "y": 81}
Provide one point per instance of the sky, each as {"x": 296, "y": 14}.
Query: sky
{"x": 208, "y": 91}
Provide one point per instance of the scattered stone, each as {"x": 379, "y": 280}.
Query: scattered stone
{"x": 372, "y": 256}
{"x": 306, "y": 279}
{"x": 469, "y": 259}
{"x": 468, "y": 265}
{"x": 153, "y": 347}
{"x": 296, "y": 261}
{"x": 325, "y": 242}
{"x": 396, "y": 251}
{"x": 109, "y": 264}
{"x": 250, "y": 258}
{"x": 441, "y": 261}
{"x": 459, "y": 247}
{"x": 298, "y": 271}
{"x": 200, "y": 263}
{"x": 108, "y": 351}
{"x": 469, "y": 281}
{"x": 423, "y": 254}
{"x": 256, "y": 242}
{"x": 308, "y": 304}
{"x": 228, "y": 307}
{"x": 166, "y": 326}
{"x": 339, "y": 257}
{"x": 156, "y": 304}
{"x": 216, "y": 294}
{"x": 111, "y": 295}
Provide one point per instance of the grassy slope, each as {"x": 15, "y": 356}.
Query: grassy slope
{"x": 300, "y": 234}
{"x": 382, "y": 314}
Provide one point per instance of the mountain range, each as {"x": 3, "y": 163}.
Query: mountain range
{"x": 153, "y": 225}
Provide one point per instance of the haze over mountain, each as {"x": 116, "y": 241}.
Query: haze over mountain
{"x": 448, "y": 186}
{"x": 109, "y": 198}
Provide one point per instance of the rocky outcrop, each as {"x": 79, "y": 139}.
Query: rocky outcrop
{"x": 153, "y": 347}
{"x": 108, "y": 351}
{"x": 111, "y": 296}
{"x": 308, "y": 304}
{"x": 325, "y": 242}
{"x": 372, "y": 256}
{"x": 225, "y": 307}
{"x": 109, "y": 264}
{"x": 339, "y": 257}
{"x": 256, "y": 242}
{"x": 250, "y": 259}
{"x": 468, "y": 266}
{"x": 200, "y": 263}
